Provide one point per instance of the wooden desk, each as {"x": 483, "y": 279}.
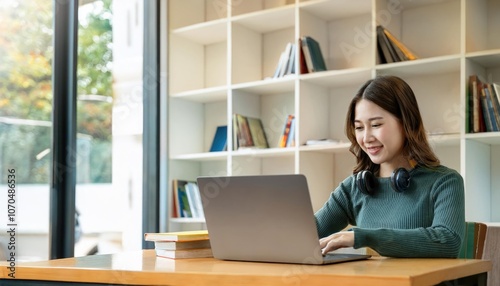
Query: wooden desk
{"x": 144, "y": 268}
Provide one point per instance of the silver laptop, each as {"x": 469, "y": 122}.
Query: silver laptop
{"x": 265, "y": 218}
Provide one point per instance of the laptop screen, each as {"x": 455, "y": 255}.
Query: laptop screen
{"x": 260, "y": 218}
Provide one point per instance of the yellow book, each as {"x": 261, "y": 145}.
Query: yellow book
{"x": 177, "y": 236}
{"x": 408, "y": 54}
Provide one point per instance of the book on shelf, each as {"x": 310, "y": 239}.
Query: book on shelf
{"x": 176, "y": 210}
{"x": 186, "y": 200}
{"x": 248, "y": 132}
{"x": 486, "y": 111}
{"x": 219, "y": 142}
{"x": 286, "y": 63}
{"x": 469, "y": 108}
{"x": 483, "y": 110}
{"x": 490, "y": 109}
{"x": 312, "y": 54}
{"x": 290, "y": 68}
{"x": 302, "y": 59}
{"x": 495, "y": 93}
{"x": 384, "y": 47}
{"x": 390, "y": 49}
{"x": 496, "y": 89}
{"x": 257, "y": 132}
{"x": 491, "y": 250}
{"x": 495, "y": 102}
{"x": 476, "y": 109}
{"x": 290, "y": 140}
{"x": 243, "y": 132}
{"x": 402, "y": 50}
{"x": 177, "y": 245}
{"x": 280, "y": 66}
{"x": 177, "y": 236}
{"x": 184, "y": 253}
{"x": 235, "y": 132}
{"x": 184, "y": 207}
{"x": 287, "y": 132}
{"x": 194, "y": 200}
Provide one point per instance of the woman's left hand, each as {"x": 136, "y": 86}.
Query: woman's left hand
{"x": 337, "y": 240}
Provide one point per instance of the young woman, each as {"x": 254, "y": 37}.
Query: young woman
{"x": 400, "y": 201}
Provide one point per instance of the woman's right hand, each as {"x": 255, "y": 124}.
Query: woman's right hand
{"x": 337, "y": 240}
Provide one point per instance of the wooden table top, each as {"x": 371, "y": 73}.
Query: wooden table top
{"x": 145, "y": 268}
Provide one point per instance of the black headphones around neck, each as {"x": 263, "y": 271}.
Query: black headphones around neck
{"x": 367, "y": 183}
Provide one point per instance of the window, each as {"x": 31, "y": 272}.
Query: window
{"x": 109, "y": 124}
{"x": 25, "y": 121}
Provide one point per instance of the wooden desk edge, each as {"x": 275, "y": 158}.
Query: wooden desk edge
{"x": 56, "y": 270}
{"x": 435, "y": 277}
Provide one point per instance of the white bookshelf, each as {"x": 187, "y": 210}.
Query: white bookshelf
{"x": 222, "y": 53}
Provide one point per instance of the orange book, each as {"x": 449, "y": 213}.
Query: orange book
{"x": 286, "y": 131}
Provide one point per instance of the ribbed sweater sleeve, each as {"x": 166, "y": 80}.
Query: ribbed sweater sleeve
{"x": 427, "y": 220}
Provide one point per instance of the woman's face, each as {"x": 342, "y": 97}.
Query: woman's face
{"x": 380, "y": 135}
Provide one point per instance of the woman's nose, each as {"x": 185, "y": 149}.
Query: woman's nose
{"x": 367, "y": 135}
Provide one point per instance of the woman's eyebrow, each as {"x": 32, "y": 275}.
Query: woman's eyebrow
{"x": 370, "y": 119}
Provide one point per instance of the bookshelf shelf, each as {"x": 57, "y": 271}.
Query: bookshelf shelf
{"x": 331, "y": 10}
{"x": 204, "y": 33}
{"x": 222, "y": 56}
{"x": 267, "y": 20}
{"x": 489, "y": 138}
{"x": 268, "y": 86}
{"x": 327, "y": 148}
{"x": 488, "y": 59}
{"x": 436, "y": 65}
{"x": 208, "y": 156}
{"x": 218, "y": 93}
{"x": 187, "y": 220}
{"x": 338, "y": 78}
{"x": 265, "y": 153}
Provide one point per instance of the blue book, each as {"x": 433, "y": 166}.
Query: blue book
{"x": 491, "y": 109}
{"x": 185, "y": 208}
{"x": 318, "y": 62}
{"x": 290, "y": 141}
{"x": 220, "y": 139}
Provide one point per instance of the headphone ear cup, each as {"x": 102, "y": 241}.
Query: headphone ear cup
{"x": 365, "y": 182}
{"x": 400, "y": 180}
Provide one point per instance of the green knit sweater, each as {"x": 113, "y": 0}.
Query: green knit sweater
{"x": 426, "y": 220}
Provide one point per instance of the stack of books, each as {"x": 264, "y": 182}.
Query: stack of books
{"x": 310, "y": 58}
{"x": 286, "y": 63}
{"x": 248, "y": 132}
{"x": 483, "y": 106}
{"x": 186, "y": 199}
{"x": 390, "y": 49}
{"x": 182, "y": 244}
